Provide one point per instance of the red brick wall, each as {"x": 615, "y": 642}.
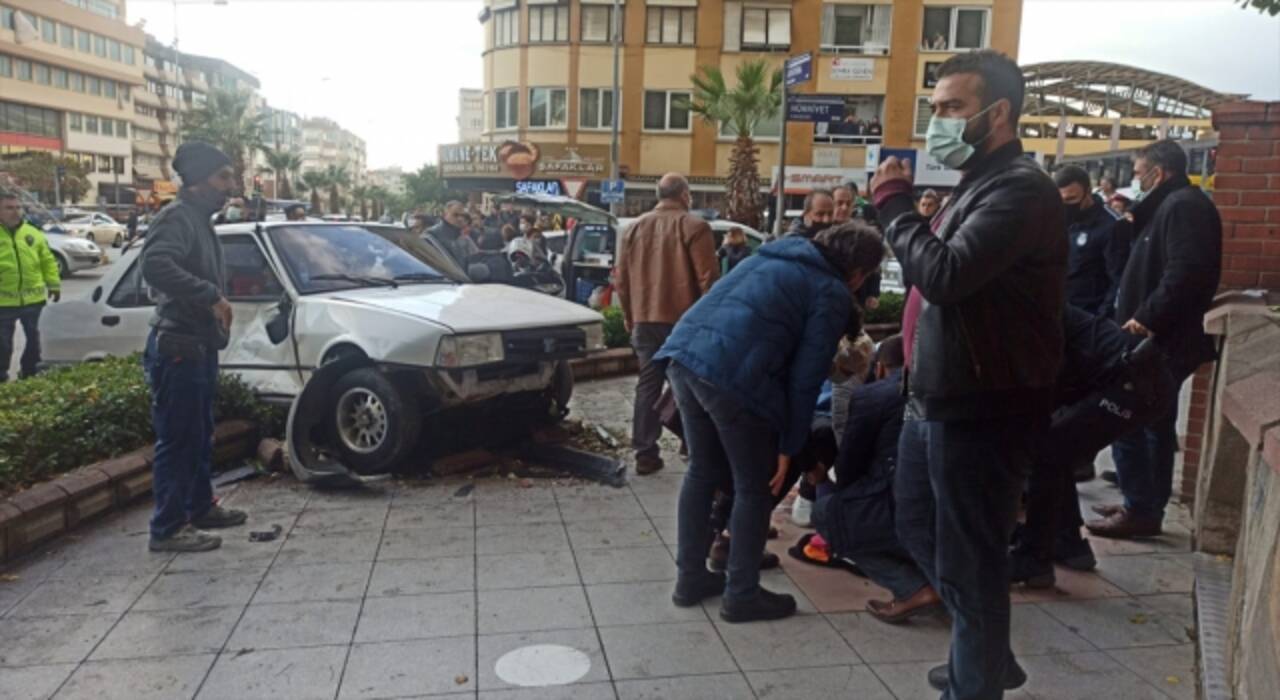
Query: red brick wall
{"x": 1247, "y": 192}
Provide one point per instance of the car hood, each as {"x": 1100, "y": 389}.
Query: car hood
{"x": 472, "y": 308}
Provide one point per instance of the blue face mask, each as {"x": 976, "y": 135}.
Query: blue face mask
{"x": 945, "y": 139}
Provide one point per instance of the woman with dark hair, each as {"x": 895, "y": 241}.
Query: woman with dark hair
{"x": 745, "y": 365}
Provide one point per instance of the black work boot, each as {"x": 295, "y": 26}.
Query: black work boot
{"x": 692, "y": 590}
{"x": 1030, "y": 570}
{"x": 767, "y": 605}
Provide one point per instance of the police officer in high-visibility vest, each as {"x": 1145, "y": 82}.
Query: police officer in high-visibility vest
{"x": 28, "y": 276}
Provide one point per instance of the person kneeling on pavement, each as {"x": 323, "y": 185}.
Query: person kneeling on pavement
{"x": 182, "y": 263}
{"x": 745, "y": 364}
{"x": 855, "y": 522}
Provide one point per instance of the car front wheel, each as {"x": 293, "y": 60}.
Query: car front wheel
{"x": 376, "y": 423}
{"x": 64, "y": 271}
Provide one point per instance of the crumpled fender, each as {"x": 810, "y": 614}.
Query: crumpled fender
{"x": 310, "y": 410}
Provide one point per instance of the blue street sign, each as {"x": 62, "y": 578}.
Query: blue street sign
{"x": 62, "y": 170}
{"x": 814, "y": 108}
{"x": 799, "y": 69}
{"x": 538, "y": 187}
{"x": 613, "y": 191}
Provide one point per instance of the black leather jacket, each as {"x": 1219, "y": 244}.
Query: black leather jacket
{"x": 989, "y": 340}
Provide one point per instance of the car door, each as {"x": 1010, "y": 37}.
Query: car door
{"x": 255, "y": 291}
{"x": 124, "y": 321}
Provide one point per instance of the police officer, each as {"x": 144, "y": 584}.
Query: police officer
{"x": 28, "y": 275}
{"x": 1099, "y": 248}
{"x": 183, "y": 265}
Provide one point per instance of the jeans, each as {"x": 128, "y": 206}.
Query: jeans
{"x": 726, "y": 440}
{"x": 890, "y": 568}
{"x": 646, "y": 426}
{"x": 1144, "y": 466}
{"x": 182, "y": 394}
{"x": 914, "y": 508}
{"x": 29, "y": 317}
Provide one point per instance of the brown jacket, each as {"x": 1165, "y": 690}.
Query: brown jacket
{"x": 666, "y": 262}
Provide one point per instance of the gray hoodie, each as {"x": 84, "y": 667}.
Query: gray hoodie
{"x": 183, "y": 265}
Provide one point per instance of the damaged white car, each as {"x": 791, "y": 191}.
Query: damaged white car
{"x": 377, "y": 334}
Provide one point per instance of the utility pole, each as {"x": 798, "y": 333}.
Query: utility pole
{"x": 782, "y": 167}
{"x": 616, "y": 101}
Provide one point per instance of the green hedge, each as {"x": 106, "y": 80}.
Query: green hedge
{"x": 615, "y": 328}
{"x": 889, "y": 311}
{"x": 70, "y": 417}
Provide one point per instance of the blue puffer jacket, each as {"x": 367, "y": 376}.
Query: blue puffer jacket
{"x": 766, "y": 334}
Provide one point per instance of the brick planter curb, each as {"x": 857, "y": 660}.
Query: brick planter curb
{"x": 48, "y": 509}
{"x": 610, "y": 363}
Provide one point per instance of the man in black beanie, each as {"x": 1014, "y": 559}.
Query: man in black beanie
{"x": 182, "y": 263}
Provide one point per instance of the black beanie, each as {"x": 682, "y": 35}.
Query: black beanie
{"x": 195, "y": 161}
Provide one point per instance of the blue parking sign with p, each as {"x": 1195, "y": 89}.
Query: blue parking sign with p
{"x": 613, "y": 191}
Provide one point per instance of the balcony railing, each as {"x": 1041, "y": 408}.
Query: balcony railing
{"x": 848, "y": 139}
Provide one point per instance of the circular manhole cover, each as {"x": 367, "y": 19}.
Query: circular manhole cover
{"x": 541, "y": 665}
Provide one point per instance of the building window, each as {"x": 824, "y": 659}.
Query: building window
{"x": 129, "y": 55}
{"x": 42, "y": 74}
{"x": 6, "y": 67}
{"x": 122, "y": 128}
{"x": 6, "y": 18}
{"x": 506, "y": 109}
{"x": 25, "y": 119}
{"x": 548, "y": 108}
{"x": 506, "y": 27}
{"x": 671, "y": 25}
{"x": 74, "y": 120}
{"x": 90, "y": 124}
{"x": 93, "y": 86}
{"x": 856, "y": 28}
{"x": 548, "y": 23}
{"x": 82, "y": 41}
{"x": 104, "y": 164}
{"x": 955, "y": 28}
{"x": 60, "y": 78}
{"x": 597, "y": 23}
{"x": 859, "y": 125}
{"x": 766, "y": 28}
{"x": 104, "y": 8}
{"x": 108, "y": 127}
{"x": 48, "y": 30}
{"x": 24, "y": 70}
{"x": 77, "y": 82}
{"x": 924, "y": 112}
{"x": 595, "y": 108}
{"x": 109, "y": 88}
{"x": 68, "y": 35}
{"x": 99, "y": 46}
{"x": 666, "y": 110}
{"x": 113, "y": 50}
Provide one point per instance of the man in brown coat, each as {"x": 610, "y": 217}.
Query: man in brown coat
{"x": 666, "y": 262}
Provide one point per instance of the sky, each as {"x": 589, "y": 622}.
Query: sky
{"x": 390, "y": 70}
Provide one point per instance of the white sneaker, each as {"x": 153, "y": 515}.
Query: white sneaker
{"x": 802, "y": 512}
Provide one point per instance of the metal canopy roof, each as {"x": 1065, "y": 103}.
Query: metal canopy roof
{"x": 1098, "y": 89}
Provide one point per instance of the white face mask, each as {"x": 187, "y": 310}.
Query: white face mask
{"x": 945, "y": 139}
{"x": 233, "y": 214}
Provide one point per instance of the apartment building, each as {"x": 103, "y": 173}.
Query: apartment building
{"x": 548, "y": 75}
{"x": 390, "y": 179}
{"x": 470, "y": 115}
{"x": 69, "y": 73}
{"x": 326, "y": 143}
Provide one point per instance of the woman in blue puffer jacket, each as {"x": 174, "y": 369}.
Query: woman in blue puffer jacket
{"x": 745, "y": 365}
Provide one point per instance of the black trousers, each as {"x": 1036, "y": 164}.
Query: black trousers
{"x": 29, "y": 317}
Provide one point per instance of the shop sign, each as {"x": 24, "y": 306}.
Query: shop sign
{"x": 522, "y": 160}
{"x": 815, "y": 108}
{"x": 538, "y": 187}
{"x": 802, "y": 180}
{"x": 853, "y": 69}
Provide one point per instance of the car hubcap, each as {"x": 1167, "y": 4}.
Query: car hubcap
{"x": 362, "y": 420}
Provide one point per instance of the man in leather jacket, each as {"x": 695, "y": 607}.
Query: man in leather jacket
{"x": 985, "y": 326}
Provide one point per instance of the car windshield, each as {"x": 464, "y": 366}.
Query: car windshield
{"x": 331, "y": 258}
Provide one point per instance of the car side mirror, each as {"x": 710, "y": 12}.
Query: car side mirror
{"x": 278, "y": 324}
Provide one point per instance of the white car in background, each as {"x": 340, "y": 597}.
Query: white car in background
{"x": 73, "y": 254}
{"x": 410, "y": 337}
{"x": 96, "y": 228}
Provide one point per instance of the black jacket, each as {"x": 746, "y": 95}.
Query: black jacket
{"x": 989, "y": 339}
{"x": 869, "y": 448}
{"x": 183, "y": 265}
{"x": 1099, "y": 250}
{"x": 1173, "y": 271}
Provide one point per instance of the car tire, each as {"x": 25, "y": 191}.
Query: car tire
{"x": 375, "y": 424}
{"x": 559, "y": 393}
{"x": 64, "y": 270}
{"x": 119, "y": 241}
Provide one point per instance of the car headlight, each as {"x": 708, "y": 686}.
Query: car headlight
{"x": 469, "y": 350}
{"x": 81, "y": 246}
{"x": 595, "y": 336}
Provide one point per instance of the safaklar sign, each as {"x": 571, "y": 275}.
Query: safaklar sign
{"x": 522, "y": 160}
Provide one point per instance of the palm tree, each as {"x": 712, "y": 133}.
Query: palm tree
{"x": 336, "y": 177}
{"x": 229, "y": 121}
{"x": 756, "y": 98}
{"x": 314, "y": 181}
{"x": 282, "y": 164}
{"x": 379, "y": 197}
{"x": 361, "y": 194}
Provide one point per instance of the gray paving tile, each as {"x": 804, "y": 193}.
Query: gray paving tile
{"x": 286, "y": 625}
{"x": 1034, "y": 631}
{"x": 923, "y": 639}
{"x": 494, "y": 647}
{"x": 236, "y": 552}
{"x": 298, "y": 674}
{"x": 808, "y": 683}
{"x": 329, "y": 548}
{"x": 659, "y": 505}
{"x": 417, "y": 617}
{"x": 200, "y": 589}
{"x": 674, "y": 649}
{"x": 503, "y": 571}
{"x": 296, "y": 583}
{"x": 1149, "y": 574}
{"x": 1171, "y": 669}
{"x": 396, "y": 669}
{"x": 777, "y": 581}
{"x": 92, "y": 594}
{"x": 533, "y": 610}
{"x": 268, "y": 497}
{"x": 639, "y": 603}
{"x": 172, "y": 678}
{"x": 514, "y": 539}
{"x": 581, "y": 691}
{"x": 513, "y": 511}
{"x": 435, "y": 493}
{"x": 724, "y": 686}
{"x": 428, "y": 544}
{"x": 909, "y": 680}
{"x": 431, "y": 517}
{"x": 1084, "y": 677}
{"x": 369, "y": 496}
{"x": 596, "y": 505}
{"x": 626, "y": 565}
{"x": 418, "y": 576}
{"x": 1115, "y": 623}
{"x": 111, "y": 555}
{"x": 168, "y": 632}
{"x": 598, "y": 534}
{"x": 802, "y": 640}
{"x": 60, "y": 639}
{"x": 342, "y": 519}
{"x": 33, "y": 682}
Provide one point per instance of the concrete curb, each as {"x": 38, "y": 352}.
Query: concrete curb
{"x": 610, "y": 363}
{"x": 46, "y": 510}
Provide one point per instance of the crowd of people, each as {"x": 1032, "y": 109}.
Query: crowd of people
{"x": 1044, "y": 321}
